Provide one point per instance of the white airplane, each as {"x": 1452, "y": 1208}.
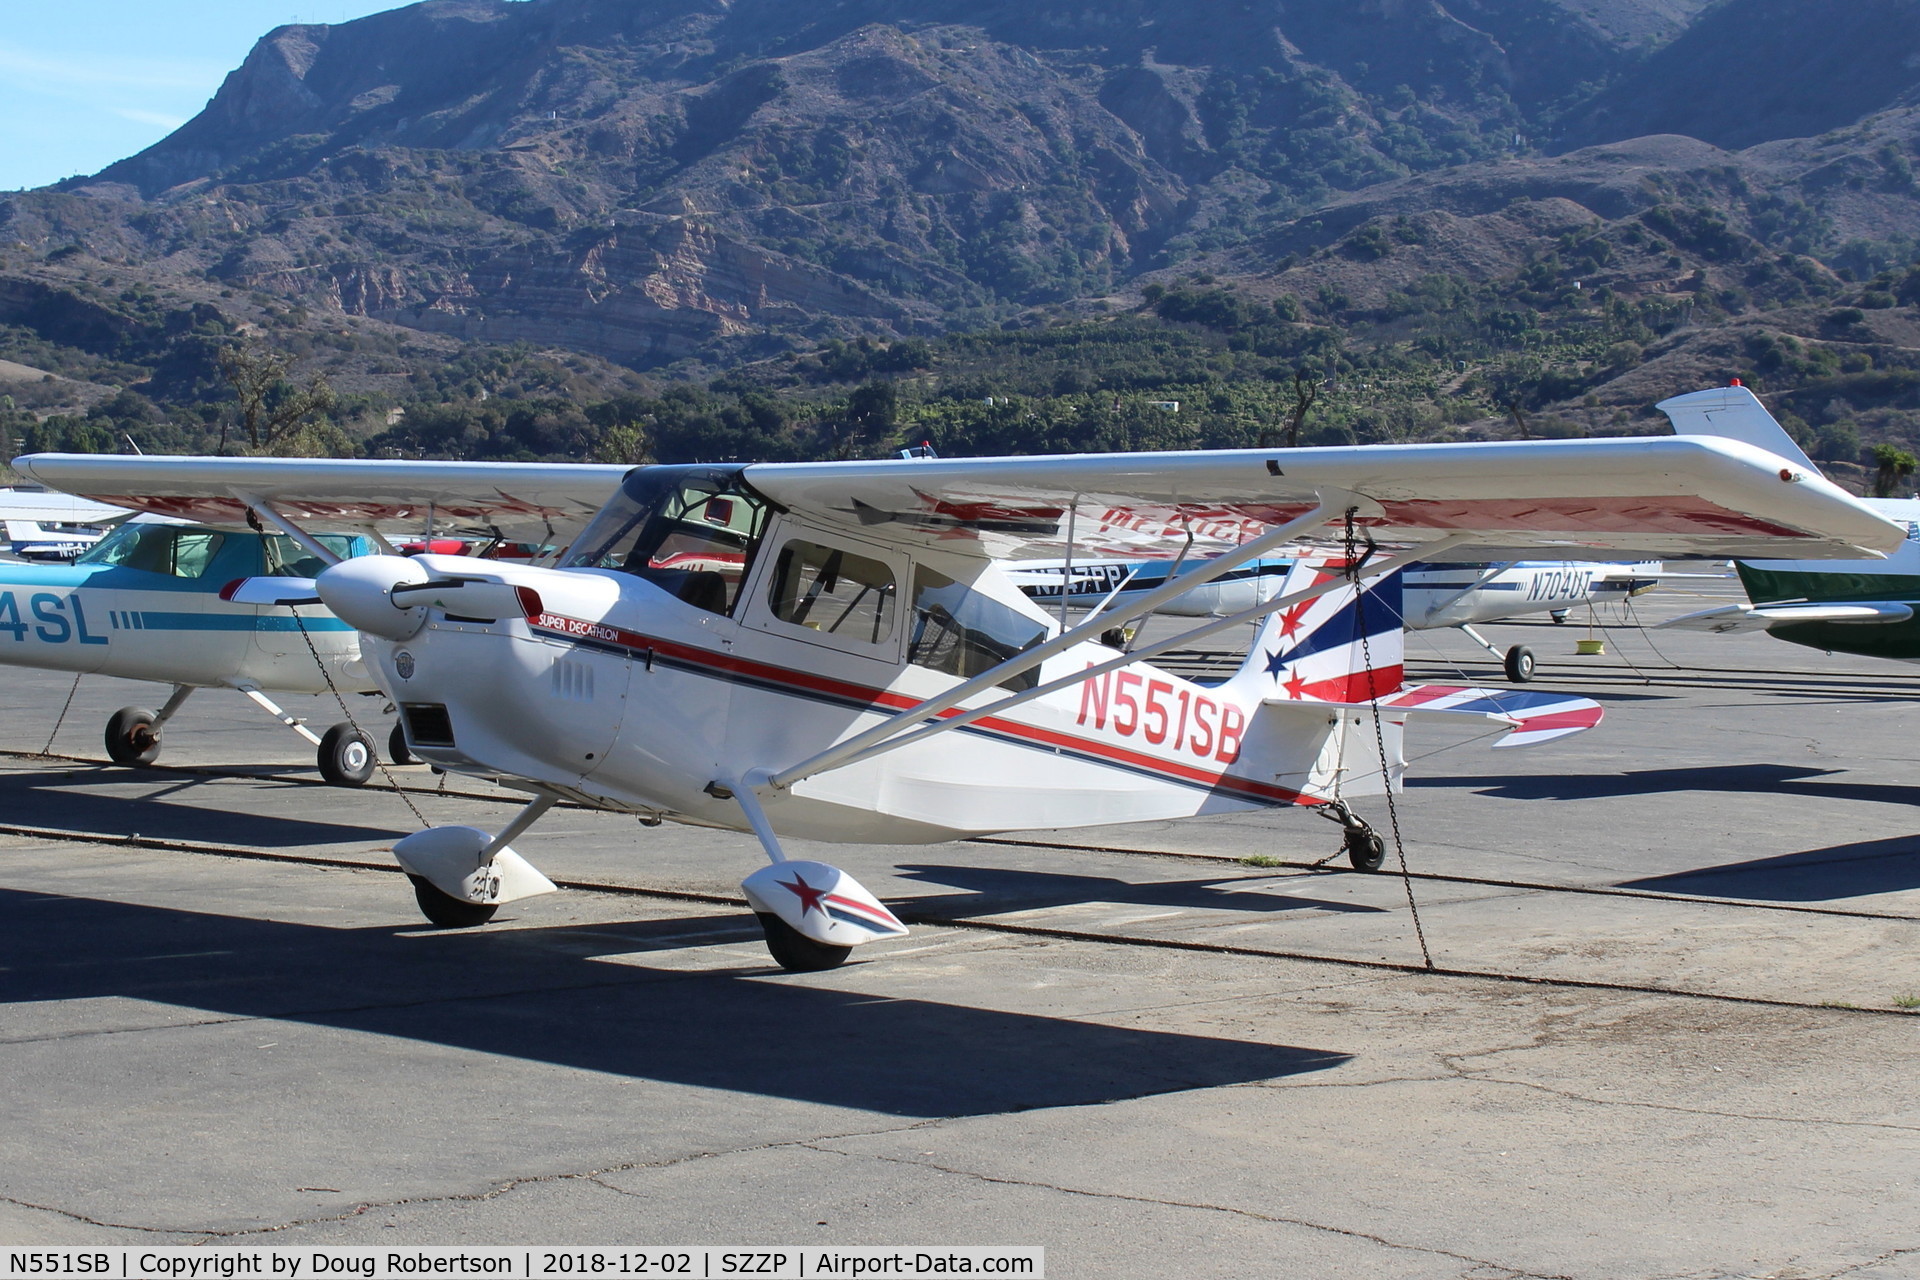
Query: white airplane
{"x": 835, "y": 651}
{"x": 1436, "y": 596}
{"x": 144, "y": 603}
{"x": 1864, "y": 607}
{"x": 42, "y": 526}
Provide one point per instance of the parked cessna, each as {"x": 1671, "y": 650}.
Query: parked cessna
{"x": 1863, "y": 607}
{"x": 835, "y": 651}
{"x": 1435, "y": 595}
{"x": 42, "y": 526}
{"x": 144, "y": 603}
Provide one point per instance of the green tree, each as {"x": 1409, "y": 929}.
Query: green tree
{"x": 270, "y": 407}
{"x": 1892, "y": 465}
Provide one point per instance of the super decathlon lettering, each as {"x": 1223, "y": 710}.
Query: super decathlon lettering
{"x": 1138, "y": 704}
{"x": 588, "y": 630}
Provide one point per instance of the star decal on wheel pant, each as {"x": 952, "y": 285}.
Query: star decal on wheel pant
{"x": 808, "y": 895}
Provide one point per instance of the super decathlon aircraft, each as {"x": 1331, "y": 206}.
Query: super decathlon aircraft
{"x": 834, "y": 650}
{"x": 1863, "y": 607}
{"x": 1435, "y": 596}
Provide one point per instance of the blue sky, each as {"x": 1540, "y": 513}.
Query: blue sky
{"x": 86, "y": 82}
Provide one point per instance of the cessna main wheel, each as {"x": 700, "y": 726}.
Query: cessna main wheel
{"x": 132, "y": 736}
{"x": 1520, "y": 664}
{"x": 794, "y": 951}
{"x": 346, "y": 756}
{"x": 447, "y": 911}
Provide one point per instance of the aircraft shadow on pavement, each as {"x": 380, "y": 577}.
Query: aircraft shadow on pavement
{"x": 537, "y": 994}
{"x": 1814, "y": 875}
{"x": 67, "y": 800}
{"x": 1737, "y": 779}
{"x": 987, "y": 890}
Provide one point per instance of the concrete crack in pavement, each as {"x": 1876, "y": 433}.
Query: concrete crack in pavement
{"x": 1254, "y": 1214}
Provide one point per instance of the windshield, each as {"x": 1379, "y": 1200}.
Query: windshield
{"x": 188, "y": 551}
{"x": 691, "y": 530}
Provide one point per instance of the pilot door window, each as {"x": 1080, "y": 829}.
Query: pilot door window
{"x": 833, "y": 591}
{"x": 159, "y": 548}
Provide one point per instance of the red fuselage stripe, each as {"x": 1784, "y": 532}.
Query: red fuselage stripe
{"x": 575, "y": 628}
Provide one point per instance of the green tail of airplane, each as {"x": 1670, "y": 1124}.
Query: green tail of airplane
{"x": 1863, "y": 607}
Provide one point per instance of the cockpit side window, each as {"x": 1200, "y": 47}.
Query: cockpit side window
{"x": 690, "y": 530}
{"x": 963, "y": 633}
{"x": 833, "y": 591}
{"x": 174, "y": 550}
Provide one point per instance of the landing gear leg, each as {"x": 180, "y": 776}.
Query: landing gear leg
{"x": 345, "y": 755}
{"x": 461, "y": 875}
{"x": 1365, "y": 850}
{"x": 133, "y": 734}
{"x": 813, "y": 914}
{"x": 1518, "y": 661}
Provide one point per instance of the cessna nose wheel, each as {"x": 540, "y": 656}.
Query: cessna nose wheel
{"x": 346, "y": 756}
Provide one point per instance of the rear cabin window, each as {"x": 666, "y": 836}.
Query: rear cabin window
{"x": 159, "y": 548}
{"x": 963, "y": 633}
{"x": 833, "y": 591}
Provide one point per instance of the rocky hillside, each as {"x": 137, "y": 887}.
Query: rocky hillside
{"x": 642, "y": 182}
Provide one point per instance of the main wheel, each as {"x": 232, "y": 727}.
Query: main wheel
{"x": 1365, "y": 849}
{"x": 346, "y": 756}
{"x": 397, "y": 746}
{"x": 1559, "y": 617}
{"x": 447, "y": 911}
{"x": 1520, "y": 664}
{"x": 132, "y": 736}
{"x": 794, "y": 951}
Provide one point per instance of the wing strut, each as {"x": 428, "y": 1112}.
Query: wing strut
{"x": 1391, "y": 563}
{"x": 288, "y": 527}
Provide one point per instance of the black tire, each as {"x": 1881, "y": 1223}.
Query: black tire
{"x": 397, "y": 746}
{"x": 1366, "y": 850}
{"x": 1520, "y": 664}
{"x": 446, "y": 911}
{"x": 1559, "y": 617}
{"x": 794, "y": 951}
{"x": 132, "y": 737}
{"x": 346, "y": 756}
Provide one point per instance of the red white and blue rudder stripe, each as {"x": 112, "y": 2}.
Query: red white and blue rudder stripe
{"x": 1344, "y": 646}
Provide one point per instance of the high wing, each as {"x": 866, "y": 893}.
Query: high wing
{"x": 1732, "y": 618}
{"x": 522, "y": 501}
{"x": 1564, "y": 500}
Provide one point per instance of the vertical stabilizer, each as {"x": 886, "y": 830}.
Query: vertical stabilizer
{"x": 1338, "y": 647}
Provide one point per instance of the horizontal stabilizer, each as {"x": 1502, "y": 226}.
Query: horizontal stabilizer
{"x": 270, "y": 591}
{"x": 1733, "y": 618}
{"x": 1536, "y": 716}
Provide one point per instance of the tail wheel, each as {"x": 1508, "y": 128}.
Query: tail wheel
{"x": 132, "y": 737}
{"x": 397, "y": 750}
{"x": 1366, "y": 851}
{"x": 346, "y": 756}
{"x": 447, "y": 911}
{"x": 1520, "y": 664}
{"x": 795, "y": 952}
